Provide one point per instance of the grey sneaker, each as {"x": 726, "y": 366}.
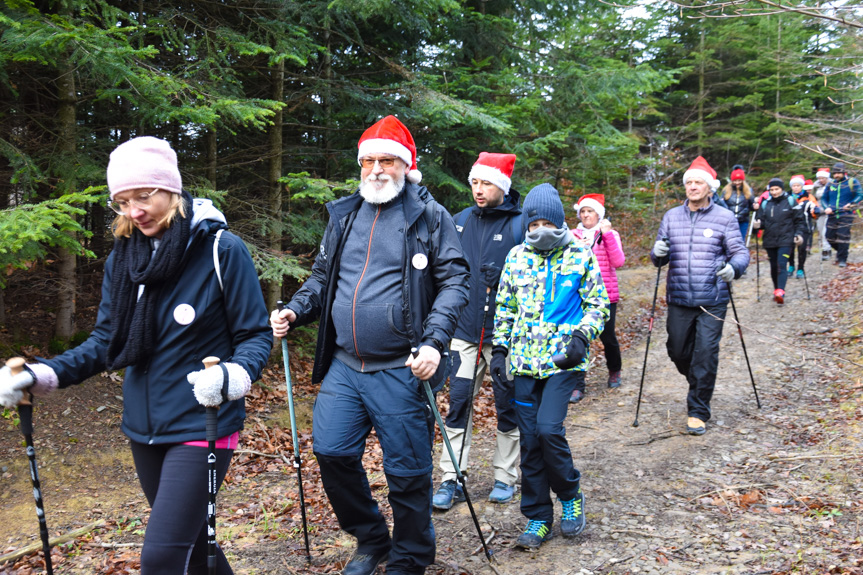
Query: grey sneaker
{"x": 573, "y": 519}
{"x": 448, "y": 494}
{"x": 501, "y": 492}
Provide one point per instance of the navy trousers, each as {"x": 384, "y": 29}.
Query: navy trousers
{"x": 392, "y": 401}
{"x": 693, "y": 346}
{"x": 546, "y": 461}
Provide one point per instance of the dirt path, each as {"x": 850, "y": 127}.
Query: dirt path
{"x": 773, "y": 491}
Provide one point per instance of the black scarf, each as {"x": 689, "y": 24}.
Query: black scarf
{"x": 133, "y": 319}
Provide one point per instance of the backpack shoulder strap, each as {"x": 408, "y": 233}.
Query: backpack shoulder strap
{"x": 461, "y": 220}
{"x": 517, "y": 230}
{"x": 216, "y": 263}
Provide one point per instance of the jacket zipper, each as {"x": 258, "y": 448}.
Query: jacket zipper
{"x": 357, "y": 291}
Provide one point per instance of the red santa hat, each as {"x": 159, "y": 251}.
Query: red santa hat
{"x": 798, "y": 179}
{"x": 822, "y": 173}
{"x": 701, "y": 169}
{"x": 596, "y": 202}
{"x": 390, "y": 136}
{"x": 494, "y": 168}
{"x": 808, "y": 185}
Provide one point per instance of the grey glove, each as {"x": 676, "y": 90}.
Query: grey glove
{"x": 660, "y": 248}
{"x": 726, "y": 273}
{"x": 208, "y": 384}
{"x": 798, "y": 240}
{"x": 756, "y": 224}
{"x": 12, "y": 386}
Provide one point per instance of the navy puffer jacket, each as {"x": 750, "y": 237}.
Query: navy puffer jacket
{"x": 702, "y": 242}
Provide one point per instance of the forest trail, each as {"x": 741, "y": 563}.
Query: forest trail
{"x": 772, "y": 490}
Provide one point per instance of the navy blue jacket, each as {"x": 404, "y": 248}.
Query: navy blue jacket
{"x": 701, "y": 244}
{"x": 159, "y": 405}
{"x": 487, "y": 237}
{"x": 781, "y": 219}
{"x": 837, "y": 195}
{"x": 433, "y": 296}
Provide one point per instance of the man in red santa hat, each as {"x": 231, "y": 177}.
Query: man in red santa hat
{"x": 390, "y": 276}
{"x": 705, "y": 252}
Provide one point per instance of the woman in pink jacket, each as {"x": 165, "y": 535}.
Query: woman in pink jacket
{"x": 596, "y": 231}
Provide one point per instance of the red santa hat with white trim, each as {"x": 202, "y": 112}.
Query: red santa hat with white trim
{"x": 390, "y": 136}
{"x": 822, "y": 173}
{"x": 494, "y": 168}
{"x": 596, "y": 202}
{"x": 702, "y": 170}
{"x": 797, "y": 179}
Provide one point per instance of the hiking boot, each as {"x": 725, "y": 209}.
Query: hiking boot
{"x": 825, "y": 255}
{"x": 613, "y": 379}
{"x": 535, "y": 534}
{"x": 843, "y": 264}
{"x": 800, "y": 274}
{"x": 695, "y": 426}
{"x": 364, "y": 563}
{"x": 573, "y": 518}
{"x": 779, "y": 296}
{"x": 501, "y": 492}
{"x": 576, "y": 396}
{"x": 790, "y": 269}
{"x": 449, "y": 493}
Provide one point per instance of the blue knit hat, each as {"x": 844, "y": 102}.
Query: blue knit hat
{"x": 543, "y": 203}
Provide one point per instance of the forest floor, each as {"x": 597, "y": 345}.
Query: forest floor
{"x": 775, "y": 490}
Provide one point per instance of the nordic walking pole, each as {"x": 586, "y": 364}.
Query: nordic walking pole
{"x": 212, "y": 475}
{"x": 459, "y": 475}
{"x": 806, "y": 281}
{"x": 757, "y": 271}
{"x": 749, "y": 229}
{"x": 473, "y": 381}
{"x": 25, "y": 415}
{"x": 297, "y": 462}
{"x": 647, "y": 345}
{"x": 743, "y": 343}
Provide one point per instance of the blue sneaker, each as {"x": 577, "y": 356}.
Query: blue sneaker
{"x": 501, "y": 492}
{"x": 573, "y": 519}
{"x": 535, "y": 534}
{"x": 449, "y": 493}
{"x": 800, "y": 274}
{"x": 790, "y": 268}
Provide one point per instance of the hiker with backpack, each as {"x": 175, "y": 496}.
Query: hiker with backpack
{"x": 841, "y": 197}
{"x": 595, "y": 232}
{"x": 551, "y": 303}
{"x": 390, "y": 276}
{"x": 782, "y": 222}
{"x": 177, "y": 288}
{"x": 488, "y": 230}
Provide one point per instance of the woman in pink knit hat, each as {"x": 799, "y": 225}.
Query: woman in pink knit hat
{"x": 595, "y": 230}
{"x": 178, "y": 287}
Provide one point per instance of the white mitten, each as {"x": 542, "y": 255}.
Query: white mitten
{"x": 208, "y": 384}
{"x": 12, "y": 386}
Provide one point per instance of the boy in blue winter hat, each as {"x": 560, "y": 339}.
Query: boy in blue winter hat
{"x": 551, "y": 303}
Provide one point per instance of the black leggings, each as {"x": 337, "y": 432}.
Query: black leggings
{"x": 801, "y": 251}
{"x": 779, "y": 258}
{"x": 174, "y": 480}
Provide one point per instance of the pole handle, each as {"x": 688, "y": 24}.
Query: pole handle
{"x": 16, "y": 366}
{"x": 210, "y": 361}
{"x": 212, "y": 412}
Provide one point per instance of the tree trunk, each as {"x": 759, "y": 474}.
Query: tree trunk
{"x": 274, "y": 289}
{"x": 212, "y": 155}
{"x": 64, "y": 329}
{"x": 700, "y": 135}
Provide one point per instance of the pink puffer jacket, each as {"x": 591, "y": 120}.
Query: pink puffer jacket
{"x": 609, "y": 253}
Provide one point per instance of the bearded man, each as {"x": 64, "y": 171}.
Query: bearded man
{"x": 390, "y": 276}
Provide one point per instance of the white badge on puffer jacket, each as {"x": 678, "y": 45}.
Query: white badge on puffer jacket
{"x": 420, "y": 261}
{"x": 708, "y": 233}
{"x": 184, "y": 314}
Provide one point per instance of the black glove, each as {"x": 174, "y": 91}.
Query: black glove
{"x": 575, "y": 352}
{"x": 499, "y": 366}
{"x": 491, "y": 275}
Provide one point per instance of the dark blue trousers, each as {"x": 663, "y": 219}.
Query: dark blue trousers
{"x": 392, "y": 401}
{"x": 546, "y": 461}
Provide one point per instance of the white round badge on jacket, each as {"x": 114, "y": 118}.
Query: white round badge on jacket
{"x": 708, "y": 233}
{"x": 184, "y": 314}
{"x": 420, "y": 261}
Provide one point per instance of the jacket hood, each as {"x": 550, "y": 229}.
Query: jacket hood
{"x": 204, "y": 211}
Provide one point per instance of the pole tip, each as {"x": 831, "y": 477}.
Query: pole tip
{"x": 635, "y": 423}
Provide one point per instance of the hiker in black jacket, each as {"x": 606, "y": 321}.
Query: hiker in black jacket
{"x": 781, "y": 218}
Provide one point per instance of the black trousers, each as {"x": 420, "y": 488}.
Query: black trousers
{"x": 779, "y": 258}
{"x": 174, "y": 480}
{"x": 801, "y": 251}
{"x": 693, "y": 346}
{"x": 839, "y": 233}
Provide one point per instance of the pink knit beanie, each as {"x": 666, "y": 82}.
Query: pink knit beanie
{"x": 144, "y": 162}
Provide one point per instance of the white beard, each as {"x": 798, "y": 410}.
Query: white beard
{"x": 373, "y": 193}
